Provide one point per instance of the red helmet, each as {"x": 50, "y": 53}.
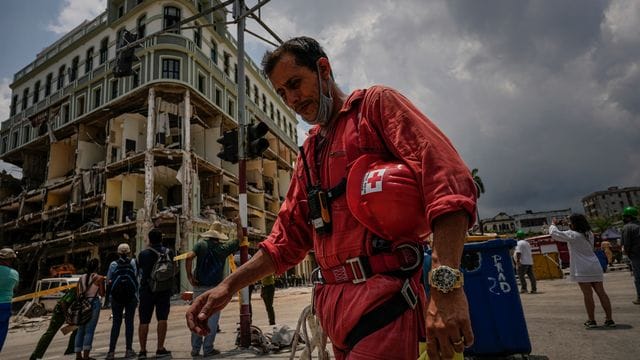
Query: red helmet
{"x": 384, "y": 197}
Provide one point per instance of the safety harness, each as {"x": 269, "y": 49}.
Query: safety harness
{"x": 402, "y": 262}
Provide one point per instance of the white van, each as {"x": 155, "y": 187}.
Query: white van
{"x": 49, "y": 301}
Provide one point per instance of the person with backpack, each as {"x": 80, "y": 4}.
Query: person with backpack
{"x": 91, "y": 287}
{"x": 157, "y": 271}
{"x": 210, "y": 253}
{"x": 373, "y": 179}
{"x": 122, "y": 278}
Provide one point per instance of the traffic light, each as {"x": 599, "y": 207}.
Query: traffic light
{"x": 256, "y": 143}
{"x": 229, "y": 141}
{"x": 125, "y": 54}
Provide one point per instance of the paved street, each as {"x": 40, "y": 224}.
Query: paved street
{"x": 554, "y": 319}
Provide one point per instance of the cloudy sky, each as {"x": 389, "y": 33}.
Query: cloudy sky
{"x": 541, "y": 96}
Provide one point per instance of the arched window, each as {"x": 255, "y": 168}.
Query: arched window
{"x": 171, "y": 17}
{"x": 142, "y": 26}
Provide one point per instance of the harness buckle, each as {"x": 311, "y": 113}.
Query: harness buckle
{"x": 356, "y": 265}
{"x": 408, "y": 294}
{"x": 419, "y": 255}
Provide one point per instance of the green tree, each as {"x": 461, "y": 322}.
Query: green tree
{"x": 480, "y": 190}
{"x": 601, "y": 224}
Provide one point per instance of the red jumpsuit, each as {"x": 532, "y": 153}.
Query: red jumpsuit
{"x": 389, "y": 124}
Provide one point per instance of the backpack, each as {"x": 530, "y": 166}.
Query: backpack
{"x": 124, "y": 283}
{"x": 209, "y": 270}
{"x": 162, "y": 272}
{"x": 81, "y": 310}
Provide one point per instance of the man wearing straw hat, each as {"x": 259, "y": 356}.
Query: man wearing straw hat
{"x": 211, "y": 252}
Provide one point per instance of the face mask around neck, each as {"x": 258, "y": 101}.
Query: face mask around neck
{"x": 325, "y": 103}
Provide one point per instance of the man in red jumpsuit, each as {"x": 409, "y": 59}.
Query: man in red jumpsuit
{"x": 348, "y": 302}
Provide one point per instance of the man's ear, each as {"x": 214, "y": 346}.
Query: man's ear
{"x": 324, "y": 67}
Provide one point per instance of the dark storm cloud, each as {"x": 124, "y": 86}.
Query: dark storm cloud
{"x": 540, "y": 96}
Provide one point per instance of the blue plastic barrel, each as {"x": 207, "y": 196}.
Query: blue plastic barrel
{"x": 497, "y": 318}
{"x": 602, "y": 258}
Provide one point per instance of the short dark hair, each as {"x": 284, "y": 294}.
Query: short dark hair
{"x": 155, "y": 236}
{"x": 306, "y": 51}
{"x": 579, "y": 223}
{"x": 92, "y": 265}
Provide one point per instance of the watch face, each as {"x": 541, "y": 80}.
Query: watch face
{"x": 444, "y": 279}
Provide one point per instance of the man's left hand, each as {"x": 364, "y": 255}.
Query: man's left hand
{"x": 448, "y": 324}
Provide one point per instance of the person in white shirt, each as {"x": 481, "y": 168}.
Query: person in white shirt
{"x": 584, "y": 267}
{"x": 524, "y": 263}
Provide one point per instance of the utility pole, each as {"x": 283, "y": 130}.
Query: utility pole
{"x": 245, "y": 309}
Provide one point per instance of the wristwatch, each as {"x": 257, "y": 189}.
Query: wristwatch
{"x": 445, "y": 278}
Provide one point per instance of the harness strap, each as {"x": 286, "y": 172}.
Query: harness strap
{"x": 402, "y": 262}
{"x": 337, "y": 190}
{"x": 383, "y": 314}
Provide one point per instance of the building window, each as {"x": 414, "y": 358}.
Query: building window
{"x": 278, "y": 117}
{"x": 61, "y": 77}
{"x": 97, "y": 97}
{"x": 247, "y": 86}
{"x": 119, "y": 39}
{"x": 25, "y": 134}
{"x": 171, "y": 17}
{"x": 66, "y": 114}
{"x": 142, "y": 26}
{"x": 14, "y": 105}
{"x": 120, "y": 11}
{"x": 114, "y": 89}
{"x": 25, "y": 98}
{"x": 4, "y": 145}
{"x": 235, "y": 73}
{"x": 256, "y": 96}
{"x": 214, "y": 52}
{"x": 264, "y": 103}
{"x": 201, "y": 83}
{"x": 231, "y": 108}
{"x": 218, "y": 97}
{"x": 226, "y": 63}
{"x": 36, "y": 92}
{"x": 271, "y": 110}
{"x": 104, "y": 50}
{"x": 74, "y": 69}
{"x": 80, "y": 106}
{"x": 88, "y": 62}
{"x": 14, "y": 140}
{"x": 171, "y": 69}
{"x": 47, "y": 84}
{"x": 197, "y": 36}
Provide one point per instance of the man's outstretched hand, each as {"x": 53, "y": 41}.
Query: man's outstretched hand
{"x": 204, "y": 306}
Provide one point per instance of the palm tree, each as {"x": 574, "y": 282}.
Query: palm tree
{"x": 601, "y": 224}
{"x": 480, "y": 190}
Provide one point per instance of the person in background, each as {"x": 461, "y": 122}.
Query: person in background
{"x": 57, "y": 320}
{"x": 9, "y": 279}
{"x": 267, "y": 291}
{"x": 631, "y": 244}
{"x": 365, "y": 313}
{"x": 605, "y": 245}
{"x": 584, "y": 267}
{"x": 524, "y": 263}
{"x": 122, "y": 278}
{"x": 92, "y": 285}
{"x": 160, "y": 301}
{"x": 210, "y": 253}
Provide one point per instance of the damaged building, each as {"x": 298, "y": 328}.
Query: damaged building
{"x": 105, "y": 159}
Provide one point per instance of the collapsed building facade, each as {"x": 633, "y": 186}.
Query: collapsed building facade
{"x": 105, "y": 159}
